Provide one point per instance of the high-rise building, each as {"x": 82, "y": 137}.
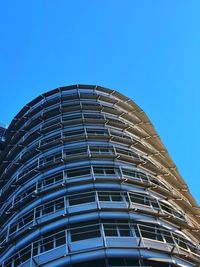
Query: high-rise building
{"x": 2, "y": 140}
{"x": 86, "y": 182}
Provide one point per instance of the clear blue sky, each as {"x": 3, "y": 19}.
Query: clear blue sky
{"x": 147, "y": 50}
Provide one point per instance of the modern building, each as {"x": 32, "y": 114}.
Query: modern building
{"x": 2, "y": 140}
{"x": 86, "y": 182}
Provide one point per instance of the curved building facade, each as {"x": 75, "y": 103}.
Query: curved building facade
{"x": 86, "y": 182}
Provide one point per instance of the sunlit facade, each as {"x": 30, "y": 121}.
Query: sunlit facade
{"x": 86, "y": 182}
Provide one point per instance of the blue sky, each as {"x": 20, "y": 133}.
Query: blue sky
{"x": 147, "y": 50}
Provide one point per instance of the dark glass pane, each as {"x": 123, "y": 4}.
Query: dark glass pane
{"x": 59, "y": 204}
{"x": 110, "y": 230}
{"x": 48, "y": 208}
{"x": 98, "y": 170}
{"x": 25, "y": 254}
{"x": 35, "y": 248}
{"x": 109, "y": 171}
{"x": 116, "y": 197}
{"x": 96, "y": 263}
{"x": 60, "y": 239}
{"x": 132, "y": 262}
{"x": 103, "y": 196}
{"x": 46, "y": 244}
{"x": 151, "y": 232}
{"x": 155, "y": 205}
{"x": 81, "y": 198}
{"x": 124, "y": 230}
{"x": 156, "y": 264}
{"x": 90, "y": 231}
{"x": 116, "y": 262}
{"x": 78, "y": 172}
{"x": 168, "y": 237}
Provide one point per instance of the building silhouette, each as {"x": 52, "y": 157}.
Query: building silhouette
{"x": 86, "y": 182}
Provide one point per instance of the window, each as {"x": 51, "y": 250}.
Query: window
{"x": 50, "y": 122}
{"x": 115, "y": 262}
{"x": 3, "y": 237}
{"x": 60, "y": 239}
{"x": 85, "y": 231}
{"x": 110, "y": 196}
{"x": 101, "y": 149}
{"x": 120, "y": 228}
{"x": 22, "y": 256}
{"x": 72, "y": 117}
{"x": 151, "y": 232}
{"x": 168, "y": 237}
{"x": 13, "y": 229}
{"x": 81, "y": 198}
{"x": 157, "y": 264}
{"x": 25, "y": 219}
{"x": 126, "y": 152}
{"x": 59, "y": 204}
{"x": 104, "y": 170}
{"x": 139, "y": 199}
{"x": 96, "y": 263}
{"x": 76, "y": 151}
{"x": 144, "y": 199}
{"x": 97, "y": 131}
{"x": 78, "y": 172}
{"x": 50, "y": 159}
{"x": 47, "y": 208}
{"x": 50, "y": 139}
{"x": 50, "y": 180}
{"x": 27, "y": 169}
{"x": 180, "y": 241}
{"x": 93, "y": 116}
{"x": 25, "y": 194}
{"x": 73, "y": 133}
{"x": 136, "y": 175}
{"x": 48, "y": 242}
{"x": 120, "y": 134}
{"x": 50, "y": 207}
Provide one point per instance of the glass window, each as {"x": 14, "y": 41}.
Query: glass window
{"x": 139, "y": 199}
{"x": 75, "y": 151}
{"x": 151, "y": 232}
{"x": 103, "y": 196}
{"x": 110, "y": 230}
{"x": 101, "y": 149}
{"x": 71, "y": 117}
{"x": 110, "y": 196}
{"x": 117, "y": 229}
{"x": 78, "y": 172}
{"x": 116, "y": 262}
{"x": 168, "y": 237}
{"x": 85, "y": 231}
{"x": 60, "y": 239}
{"x": 59, "y": 204}
{"x": 132, "y": 262}
{"x": 93, "y": 116}
{"x": 104, "y": 170}
{"x": 26, "y": 219}
{"x": 81, "y": 198}
{"x": 96, "y": 263}
{"x": 13, "y": 229}
{"x": 97, "y": 131}
{"x": 73, "y": 133}
{"x": 156, "y": 264}
{"x": 50, "y": 180}
{"x": 181, "y": 242}
{"x": 47, "y": 244}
